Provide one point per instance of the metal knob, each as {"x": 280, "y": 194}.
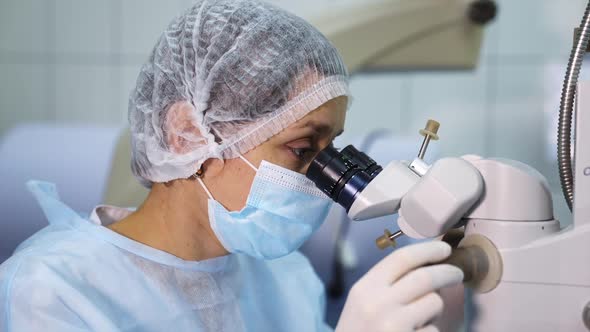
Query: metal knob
{"x": 586, "y": 316}
{"x": 430, "y": 132}
{"x": 387, "y": 239}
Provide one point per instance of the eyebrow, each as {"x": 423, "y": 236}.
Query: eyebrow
{"x": 320, "y": 127}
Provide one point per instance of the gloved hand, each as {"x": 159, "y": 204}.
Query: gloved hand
{"x": 399, "y": 293}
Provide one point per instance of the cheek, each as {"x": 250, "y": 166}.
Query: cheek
{"x": 242, "y": 193}
{"x": 278, "y": 154}
{"x": 284, "y": 157}
{"x": 233, "y": 185}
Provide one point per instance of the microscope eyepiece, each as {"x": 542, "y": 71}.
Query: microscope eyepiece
{"x": 342, "y": 175}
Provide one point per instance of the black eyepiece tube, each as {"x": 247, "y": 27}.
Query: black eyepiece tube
{"x": 342, "y": 175}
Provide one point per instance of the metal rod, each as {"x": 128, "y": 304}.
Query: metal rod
{"x": 424, "y": 146}
{"x": 395, "y": 235}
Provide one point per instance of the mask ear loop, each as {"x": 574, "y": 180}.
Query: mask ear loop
{"x": 199, "y": 174}
{"x": 198, "y": 177}
{"x": 249, "y": 163}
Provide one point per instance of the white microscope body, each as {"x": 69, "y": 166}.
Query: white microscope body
{"x": 537, "y": 274}
{"x": 545, "y": 277}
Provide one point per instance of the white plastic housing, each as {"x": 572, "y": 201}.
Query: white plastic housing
{"x": 382, "y": 196}
{"x": 513, "y": 191}
{"x": 441, "y": 198}
{"x": 511, "y": 234}
{"x": 545, "y": 283}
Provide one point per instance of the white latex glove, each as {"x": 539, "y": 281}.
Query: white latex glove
{"x": 452, "y": 319}
{"x": 399, "y": 293}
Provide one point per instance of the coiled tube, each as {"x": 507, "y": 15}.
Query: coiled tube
{"x": 568, "y": 94}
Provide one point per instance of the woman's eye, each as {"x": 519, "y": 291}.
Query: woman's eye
{"x": 301, "y": 153}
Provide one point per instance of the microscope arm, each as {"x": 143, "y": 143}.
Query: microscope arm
{"x": 384, "y": 194}
{"x": 430, "y": 200}
{"x": 442, "y": 197}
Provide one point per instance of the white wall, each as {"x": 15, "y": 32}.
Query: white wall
{"x": 76, "y": 60}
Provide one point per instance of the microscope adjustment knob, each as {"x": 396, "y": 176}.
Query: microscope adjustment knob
{"x": 387, "y": 239}
{"x": 586, "y": 316}
{"x": 430, "y": 130}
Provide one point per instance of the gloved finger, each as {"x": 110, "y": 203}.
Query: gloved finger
{"x": 428, "y": 328}
{"x": 453, "y": 315}
{"x": 424, "y": 310}
{"x": 398, "y": 263}
{"x": 424, "y": 280}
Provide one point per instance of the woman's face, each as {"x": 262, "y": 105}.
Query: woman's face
{"x": 294, "y": 148}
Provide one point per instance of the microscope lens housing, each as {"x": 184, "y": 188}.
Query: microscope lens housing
{"x": 342, "y": 175}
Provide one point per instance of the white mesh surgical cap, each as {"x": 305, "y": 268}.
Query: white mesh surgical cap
{"x": 223, "y": 78}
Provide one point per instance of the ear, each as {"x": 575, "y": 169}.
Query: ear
{"x": 212, "y": 167}
{"x": 181, "y": 133}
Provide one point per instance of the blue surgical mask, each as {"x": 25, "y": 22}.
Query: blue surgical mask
{"x": 282, "y": 211}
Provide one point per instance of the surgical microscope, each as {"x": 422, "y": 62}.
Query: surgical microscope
{"x": 524, "y": 270}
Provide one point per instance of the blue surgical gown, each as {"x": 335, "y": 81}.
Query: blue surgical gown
{"x": 77, "y": 275}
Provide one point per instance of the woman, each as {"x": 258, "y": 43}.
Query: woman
{"x": 235, "y": 100}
